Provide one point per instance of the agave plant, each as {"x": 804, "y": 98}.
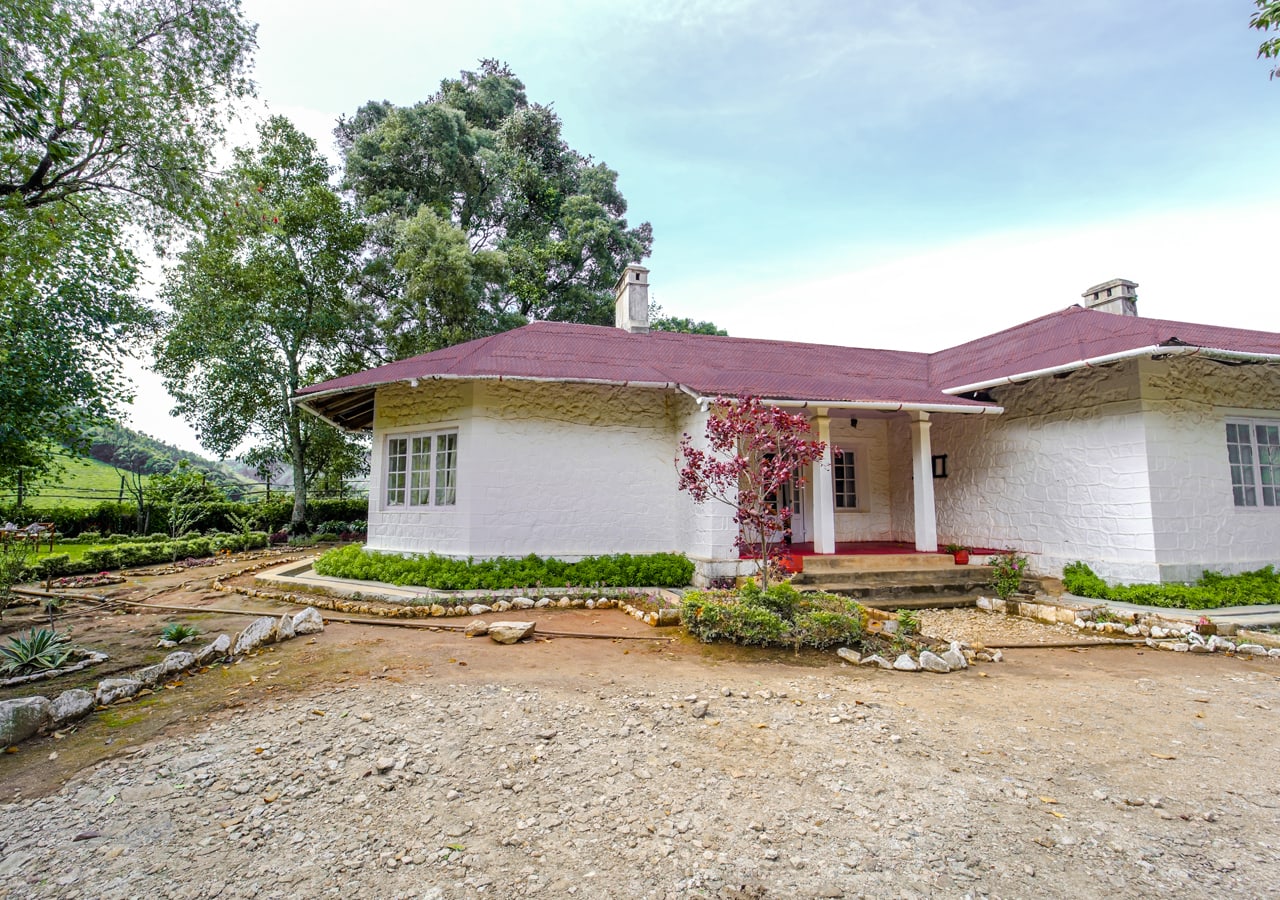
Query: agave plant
{"x": 179, "y": 632}
{"x": 38, "y": 650}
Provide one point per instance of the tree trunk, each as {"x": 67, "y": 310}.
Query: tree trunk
{"x": 298, "y": 518}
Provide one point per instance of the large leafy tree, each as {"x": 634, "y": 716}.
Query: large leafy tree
{"x": 1266, "y": 18}
{"x": 261, "y": 305}
{"x": 482, "y": 216}
{"x": 108, "y": 116}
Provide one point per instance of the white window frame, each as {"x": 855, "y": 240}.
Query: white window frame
{"x": 1254, "y": 465}
{"x": 421, "y": 470}
{"x": 836, "y": 462}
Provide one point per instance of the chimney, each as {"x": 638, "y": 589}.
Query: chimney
{"x": 1117, "y": 296}
{"x": 631, "y": 308}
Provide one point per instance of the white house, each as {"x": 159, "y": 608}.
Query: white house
{"x": 1148, "y": 448}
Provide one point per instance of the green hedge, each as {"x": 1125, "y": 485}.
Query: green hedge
{"x": 441, "y": 573}
{"x": 121, "y": 518}
{"x": 143, "y": 553}
{"x": 778, "y": 617}
{"x": 1212, "y": 590}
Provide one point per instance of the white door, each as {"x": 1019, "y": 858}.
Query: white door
{"x": 796, "y": 499}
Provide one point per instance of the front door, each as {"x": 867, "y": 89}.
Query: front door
{"x": 795, "y": 498}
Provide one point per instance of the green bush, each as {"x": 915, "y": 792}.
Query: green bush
{"x": 1212, "y": 590}
{"x": 779, "y": 616}
{"x": 38, "y": 650}
{"x": 441, "y": 573}
{"x": 100, "y": 559}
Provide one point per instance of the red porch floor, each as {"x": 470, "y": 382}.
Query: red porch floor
{"x": 868, "y": 548}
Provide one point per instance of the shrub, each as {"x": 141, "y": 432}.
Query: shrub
{"x": 53, "y": 566}
{"x": 1212, "y": 590}
{"x": 778, "y": 616}
{"x": 822, "y": 629}
{"x": 1007, "y": 571}
{"x": 714, "y": 615}
{"x": 38, "y": 650}
{"x": 100, "y": 559}
{"x": 908, "y": 622}
{"x": 278, "y": 538}
{"x": 442, "y": 573}
{"x": 1080, "y": 580}
{"x": 324, "y": 536}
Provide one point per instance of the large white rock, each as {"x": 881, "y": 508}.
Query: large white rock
{"x": 905, "y": 663}
{"x": 309, "y": 621}
{"x": 260, "y": 631}
{"x": 932, "y": 662}
{"x": 218, "y": 649}
{"x": 112, "y": 689}
{"x": 284, "y": 628}
{"x": 70, "y": 706}
{"x": 521, "y": 603}
{"x": 1255, "y": 649}
{"x": 178, "y": 661}
{"x": 876, "y": 660}
{"x": 853, "y": 657}
{"x": 510, "y": 632}
{"x": 955, "y": 659}
{"x": 23, "y": 717}
{"x": 478, "y": 609}
{"x": 478, "y": 628}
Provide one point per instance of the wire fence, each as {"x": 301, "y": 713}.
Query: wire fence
{"x": 248, "y": 493}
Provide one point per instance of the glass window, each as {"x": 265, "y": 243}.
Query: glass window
{"x": 1253, "y": 453}
{"x": 844, "y": 482}
{"x": 422, "y": 469}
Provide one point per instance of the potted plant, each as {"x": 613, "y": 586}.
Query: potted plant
{"x": 960, "y": 553}
{"x": 1205, "y": 627}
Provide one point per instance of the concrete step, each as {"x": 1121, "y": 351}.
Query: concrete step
{"x": 975, "y": 576}
{"x": 888, "y": 604}
{"x": 880, "y": 562}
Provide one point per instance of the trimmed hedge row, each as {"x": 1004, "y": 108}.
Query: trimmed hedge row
{"x": 143, "y": 553}
{"x": 778, "y": 617}
{"x": 117, "y": 518}
{"x": 444, "y": 574}
{"x": 1212, "y": 590}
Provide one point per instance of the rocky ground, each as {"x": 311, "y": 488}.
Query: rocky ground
{"x": 430, "y": 765}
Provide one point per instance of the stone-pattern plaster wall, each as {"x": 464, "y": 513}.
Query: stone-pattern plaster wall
{"x": 1197, "y": 525}
{"x": 872, "y": 520}
{"x": 1061, "y": 475}
{"x": 558, "y": 470}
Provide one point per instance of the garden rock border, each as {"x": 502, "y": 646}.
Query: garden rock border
{"x": 24, "y": 717}
{"x": 1157, "y": 631}
{"x": 955, "y": 658}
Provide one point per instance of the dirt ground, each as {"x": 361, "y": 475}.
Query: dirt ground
{"x": 377, "y": 761}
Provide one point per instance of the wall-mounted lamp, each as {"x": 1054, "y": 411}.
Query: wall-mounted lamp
{"x": 853, "y": 423}
{"x": 940, "y": 466}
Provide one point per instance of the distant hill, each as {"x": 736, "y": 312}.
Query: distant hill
{"x": 113, "y": 450}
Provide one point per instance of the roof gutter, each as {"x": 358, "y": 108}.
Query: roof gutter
{"x": 872, "y": 405}
{"x": 1161, "y": 350}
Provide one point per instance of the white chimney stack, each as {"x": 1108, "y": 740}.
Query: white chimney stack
{"x": 1117, "y": 296}
{"x": 631, "y": 306}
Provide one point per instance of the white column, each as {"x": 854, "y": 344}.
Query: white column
{"x": 926, "y": 514}
{"x": 823, "y": 497}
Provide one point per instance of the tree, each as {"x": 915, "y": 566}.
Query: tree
{"x": 481, "y": 216}
{"x": 260, "y": 306}
{"x": 753, "y": 451}
{"x": 185, "y": 496}
{"x": 1266, "y": 18}
{"x": 108, "y": 118}
{"x": 660, "y": 321}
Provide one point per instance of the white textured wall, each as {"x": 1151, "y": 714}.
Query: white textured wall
{"x": 557, "y": 470}
{"x": 1062, "y": 475}
{"x": 872, "y": 520}
{"x": 1198, "y": 526}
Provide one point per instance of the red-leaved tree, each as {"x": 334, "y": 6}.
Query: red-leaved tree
{"x": 754, "y": 449}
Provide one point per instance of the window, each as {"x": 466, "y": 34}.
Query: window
{"x": 843, "y": 482}
{"x": 422, "y": 470}
{"x": 1253, "y": 450}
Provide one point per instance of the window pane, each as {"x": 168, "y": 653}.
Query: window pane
{"x": 844, "y": 483}
{"x": 1268, "y": 437}
{"x": 397, "y": 449}
{"x": 420, "y": 472}
{"x": 446, "y": 469}
{"x": 1240, "y": 458}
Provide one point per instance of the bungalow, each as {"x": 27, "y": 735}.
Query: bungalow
{"x": 1148, "y": 448}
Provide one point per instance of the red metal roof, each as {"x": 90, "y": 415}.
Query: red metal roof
{"x": 1075, "y": 334}
{"x": 783, "y": 370}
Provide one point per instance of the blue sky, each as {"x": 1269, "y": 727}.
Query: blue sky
{"x": 879, "y": 174}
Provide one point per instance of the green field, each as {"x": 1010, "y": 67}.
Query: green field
{"x": 82, "y": 482}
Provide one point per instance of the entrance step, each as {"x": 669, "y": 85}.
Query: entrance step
{"x": 884, "y": 578}
{"x": 889, "y": 604}
{"x": 880, "y": 562}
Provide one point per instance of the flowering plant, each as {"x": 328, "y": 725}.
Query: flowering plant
{"x": 1007, "y": 571}
{"x": 753, "y": 450}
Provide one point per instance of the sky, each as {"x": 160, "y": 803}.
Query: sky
{"x": 907, "y": 175}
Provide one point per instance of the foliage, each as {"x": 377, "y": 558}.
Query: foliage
{"x": 776, "y": 616}
{"x": 111, "y": 517}
{"x": 14, "y": 556}
{"x": 145, "y": 553}
{"x": 53, "y": 566}
{"x": 185, "y": 497}
{"x": 660, "y": 321}
{"x": 908, "y": 622}
{"x": 179, "y": 632}
{"x": 37, "y": 650}
{"x": 1266, "y": 18}
{"x": 109, "y": 114}
{"x": 261, "y": 307}
{"x": 1007, "y": 571}
{"x": 1212, "y": 590}
{"x": 753, "y": 451}
{"x": 134, "y": 451}
{"x": 481, "y": 216}
{"x": 442, "y": 573}
{"x": 956, "y": 548}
